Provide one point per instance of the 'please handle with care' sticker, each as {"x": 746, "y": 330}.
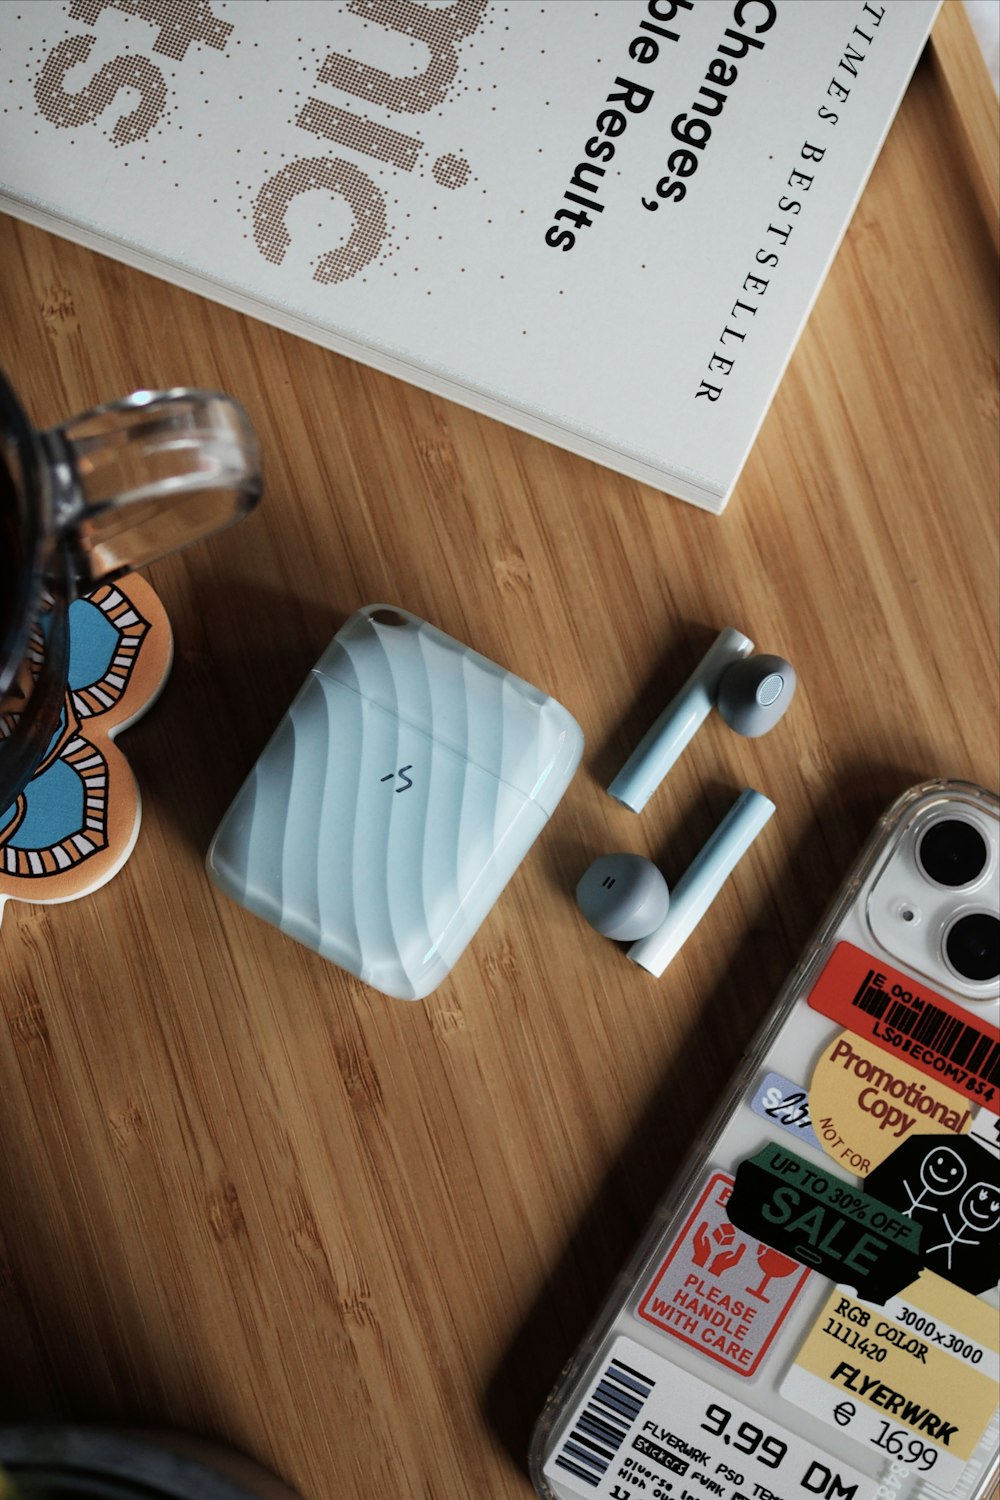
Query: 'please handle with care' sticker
{"x": 825, "y": 1223}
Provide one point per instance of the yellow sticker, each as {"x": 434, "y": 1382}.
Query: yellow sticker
{"x": 863, "y": 1102}
{"x": 952, "y": 1320}
{"x": 915, "y": 1379}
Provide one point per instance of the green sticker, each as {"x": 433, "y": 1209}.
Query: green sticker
{"x": 824, "y": 1222}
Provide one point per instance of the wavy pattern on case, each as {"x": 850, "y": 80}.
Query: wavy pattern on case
{"x": 397, "y": 797}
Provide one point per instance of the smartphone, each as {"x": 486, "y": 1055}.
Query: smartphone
{"x": 813, "y": 1311}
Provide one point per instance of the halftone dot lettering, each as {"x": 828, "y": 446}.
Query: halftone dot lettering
{"x": 146, "y": 74}
{"x": 439, "y": 29}
{"x": 68, "y": 110}
{"x": 178, "y": 22}
{"x": 360, "y": 134}
{"x": 340, "y": 179}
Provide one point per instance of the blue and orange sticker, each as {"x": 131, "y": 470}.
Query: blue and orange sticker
{"x": 75, "y": 823}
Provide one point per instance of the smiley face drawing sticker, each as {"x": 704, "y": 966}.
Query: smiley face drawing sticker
{"x": 953, "y": 1193}
{"x": 942, "y": 1171}
{"x": 975, "y": 1218}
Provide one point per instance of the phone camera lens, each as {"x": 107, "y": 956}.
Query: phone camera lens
{"x": 952, "y": 852}
{"x": 972, "y": 947}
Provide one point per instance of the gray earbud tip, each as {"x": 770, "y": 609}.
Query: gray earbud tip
{"x": 623, "y": 896}
{"x": 755, "y": 693}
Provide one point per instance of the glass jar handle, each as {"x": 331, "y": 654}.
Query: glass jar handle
{"x": 138, "y": 478}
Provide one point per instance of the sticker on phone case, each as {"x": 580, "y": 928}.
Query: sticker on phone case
{"x": 786, "y": 1104}
{"x": 719, "y": 1291}
{"x": 814, "y": 1216}
{"x": 915, "y": 1380}
{"x": 952, "y": 1191}
{"x": 905, "y": 1017}
{"x": 864, "y": 1103}
{"x": 642, "y": 1425}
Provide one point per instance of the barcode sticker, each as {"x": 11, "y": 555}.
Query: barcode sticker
{"x": 930, "y": 1026}
{"x": 904, "y": 1017}
{"x": 645, "y": 1427}
{"x": 617, "y": 1398}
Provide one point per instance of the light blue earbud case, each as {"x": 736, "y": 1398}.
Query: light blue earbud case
{"x": 398, "y": 795}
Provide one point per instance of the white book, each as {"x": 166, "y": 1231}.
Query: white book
{"x": 601, "y": 221}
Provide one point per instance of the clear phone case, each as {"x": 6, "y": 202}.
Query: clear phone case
{"x": 813, "y": 1311}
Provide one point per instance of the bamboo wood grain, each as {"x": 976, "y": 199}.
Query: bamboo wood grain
{"x": 242, "y": 1194}
{"x": 972, "y": 100}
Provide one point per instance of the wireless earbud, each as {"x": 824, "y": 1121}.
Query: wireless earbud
{"x": 751, "y": 692}
{"x": 755, "y": 693}
{"x": 624, "y": 896}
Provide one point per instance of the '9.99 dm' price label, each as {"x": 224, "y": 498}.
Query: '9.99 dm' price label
{"x": 646, "y": 1429}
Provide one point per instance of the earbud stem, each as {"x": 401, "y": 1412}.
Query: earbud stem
{"x": 660, "y": 746}
{"x": 702, "y": 881}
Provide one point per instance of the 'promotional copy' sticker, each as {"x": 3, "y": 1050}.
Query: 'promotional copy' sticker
{"x": 914, "y": 1380}
{"x": 722, "y": 1292}
{"x": 864, "y": 1103}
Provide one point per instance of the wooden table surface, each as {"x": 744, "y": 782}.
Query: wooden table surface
{"x": 245, "y": 1195}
